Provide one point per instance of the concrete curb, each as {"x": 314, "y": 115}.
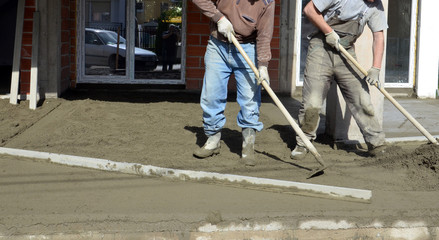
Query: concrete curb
{"x": 409, "y": 233}
{"x": 306, "y": 189}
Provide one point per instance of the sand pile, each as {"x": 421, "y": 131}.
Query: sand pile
{"x": 420, "y": 164}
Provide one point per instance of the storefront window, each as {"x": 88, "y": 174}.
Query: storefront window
{"x": 131, "y": 41}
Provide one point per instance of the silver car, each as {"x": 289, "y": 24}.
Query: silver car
{"x": 101, "y": 50}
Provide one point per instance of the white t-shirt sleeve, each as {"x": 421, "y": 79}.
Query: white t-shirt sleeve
{"x": 378, "y": 21}
{"x": 323, "y": 5}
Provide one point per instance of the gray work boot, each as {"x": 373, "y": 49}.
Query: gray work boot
{"x": 377, "y": 151}
{"x": 211, "y": 147}
{"x": 299, "y": 152}
{"x": 248, "y": 146}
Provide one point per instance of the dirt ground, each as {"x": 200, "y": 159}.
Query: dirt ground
{"x": 163, "y": 128}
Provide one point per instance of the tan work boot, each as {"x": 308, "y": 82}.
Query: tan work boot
{"x": 210, "y": 148}
{"x": 248, "y": 146}
{"x": 299, "y": 152}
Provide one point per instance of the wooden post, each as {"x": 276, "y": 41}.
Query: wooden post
{"x": 15, "y": 78}
{"x": 34, "y": 68}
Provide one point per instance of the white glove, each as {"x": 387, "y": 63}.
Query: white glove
{"x": 263, "y": 75}
{"x": 373, "y": 76}
{"x": 333, "y": 40}
{"x": 225, "y": 27}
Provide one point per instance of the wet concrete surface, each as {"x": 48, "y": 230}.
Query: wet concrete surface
{"x": 47, "y": 200}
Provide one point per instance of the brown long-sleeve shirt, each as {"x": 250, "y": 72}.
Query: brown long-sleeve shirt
{"x": 252, "y": 21}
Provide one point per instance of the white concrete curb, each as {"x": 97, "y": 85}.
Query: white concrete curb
{"x": 408, "y": 233}
{"x": 299, "y": 188}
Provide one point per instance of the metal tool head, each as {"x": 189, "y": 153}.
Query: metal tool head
{"x": 317, "y": 172}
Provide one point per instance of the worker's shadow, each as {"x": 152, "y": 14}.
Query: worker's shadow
{"x": 288, "y": 136}
{"x": 232, "y": 138}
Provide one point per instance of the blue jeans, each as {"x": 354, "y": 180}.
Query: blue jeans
{"x": 221, "y": 60}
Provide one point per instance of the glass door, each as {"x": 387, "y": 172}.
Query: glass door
{"x": 400, "y": 43}
{"x": 130, "y": 41}
{"x": 105, "y": 43}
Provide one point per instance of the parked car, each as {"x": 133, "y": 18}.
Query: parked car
{"x": 101, "y": 50}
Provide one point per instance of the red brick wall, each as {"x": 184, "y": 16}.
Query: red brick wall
{"x": 68, "y": 43}
{"x": 26, "y": 47}
{"x": 197, "y": 36}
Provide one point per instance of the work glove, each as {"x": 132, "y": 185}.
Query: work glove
{"x": 263, "y": 75}
{"x": 333, "y": 40}
{"x": 373, "y": 76}
{"x": 225, "y": 27}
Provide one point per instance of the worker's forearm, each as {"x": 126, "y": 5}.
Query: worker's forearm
{"x": 378, "y": 49}
{"x": 316, "y": 17}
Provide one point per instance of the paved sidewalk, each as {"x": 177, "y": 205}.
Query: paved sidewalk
{"x": 395, "y": 124}
{"x": 425, "y": 111}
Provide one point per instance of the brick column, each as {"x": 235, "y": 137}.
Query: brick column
{"x": 26, "y": 47}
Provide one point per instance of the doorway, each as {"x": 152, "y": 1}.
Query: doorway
{"x": 131, "y": 42}
{"x": 8, "y": 16}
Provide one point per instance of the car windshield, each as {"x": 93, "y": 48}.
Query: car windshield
{"x": 111, "y": 38}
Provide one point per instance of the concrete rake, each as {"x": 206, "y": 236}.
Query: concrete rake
{"x": 308, "y": 144}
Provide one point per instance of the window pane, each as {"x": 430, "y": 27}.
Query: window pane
{"x": 158, "y": 39}
{"x": 398, "y": 41}
{"x": 104, "y": 33}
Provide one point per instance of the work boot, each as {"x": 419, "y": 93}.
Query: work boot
{"x": 211, "y": 147}
{"x": 248, "y": 146}
{"x": 377, "y": 151}
{"x": 299, "y": 152}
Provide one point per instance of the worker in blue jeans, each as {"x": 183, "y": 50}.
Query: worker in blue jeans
{"x": 251, "y": 22}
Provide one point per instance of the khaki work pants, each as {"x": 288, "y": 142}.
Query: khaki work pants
{"x": 323, "y": 64}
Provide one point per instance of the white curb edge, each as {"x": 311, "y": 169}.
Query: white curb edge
{"x": 149, "y": 170}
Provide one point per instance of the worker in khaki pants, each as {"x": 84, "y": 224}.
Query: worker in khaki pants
{"x": 341, "y": 22}
{"x": 252, "y": 23}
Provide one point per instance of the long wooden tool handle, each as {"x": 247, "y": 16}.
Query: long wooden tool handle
{"x": 392, "y": 100}
{"x": 279, "y": 104}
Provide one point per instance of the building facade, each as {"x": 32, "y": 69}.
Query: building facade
{"x": 67, "y": 55}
